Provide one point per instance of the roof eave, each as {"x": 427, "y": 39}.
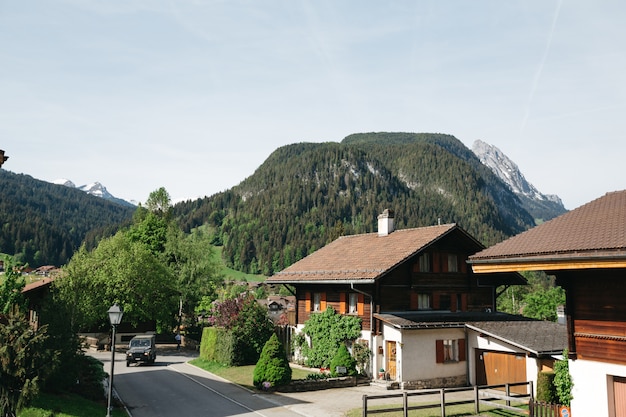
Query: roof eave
{"x": 547, "y": 263}
{"x": 323, "y": 281}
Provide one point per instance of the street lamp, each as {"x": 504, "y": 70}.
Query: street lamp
{"x": 115, "y": 317}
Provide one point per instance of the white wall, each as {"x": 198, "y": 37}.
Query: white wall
{"x": 416, "y": 353}
{"x": 593, "y": 387}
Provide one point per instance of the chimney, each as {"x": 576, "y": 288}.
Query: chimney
{"x": 560, "y": 315}
{"x": 385, "y": 222}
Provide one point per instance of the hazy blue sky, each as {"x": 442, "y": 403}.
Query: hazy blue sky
{"x": 194, "y": 95}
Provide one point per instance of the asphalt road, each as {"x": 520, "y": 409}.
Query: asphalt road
{"x": 173, "y": 388}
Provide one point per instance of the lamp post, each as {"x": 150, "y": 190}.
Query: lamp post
{"x": 115, "y": 316}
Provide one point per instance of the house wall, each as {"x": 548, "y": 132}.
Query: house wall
{"x": 593, "y": 387}
{"x": 475, "y": 341}
{"x": 416, "y": 358}
{"x": 597, "y": 313}
{"x": 332, "y": 297}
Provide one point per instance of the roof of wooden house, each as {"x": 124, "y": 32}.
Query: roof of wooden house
{"x": 591, "y": 236}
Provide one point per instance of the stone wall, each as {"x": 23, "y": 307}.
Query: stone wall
{"x": 301, "y": 385}
{"x": 447, "y": 382}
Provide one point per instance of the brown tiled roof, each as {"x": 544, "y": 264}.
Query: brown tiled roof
{"x": 364, "y": 257}
{"x": 596, "y": 229}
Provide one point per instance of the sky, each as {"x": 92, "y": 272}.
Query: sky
{"x": 194, "y": 95}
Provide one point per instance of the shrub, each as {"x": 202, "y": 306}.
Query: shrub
{"x": 344, "y": 359}
{"x": 217, "y": 345}
{"x": 273, "y": 366}
{"x": 563, "y": 380}
{"x": 545, "y": 387}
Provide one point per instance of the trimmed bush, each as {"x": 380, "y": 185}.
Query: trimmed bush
{"x": 273, "y": 367}
{"x": 545, "y": 387}
{"x": 344, "y": 359}
{"x": 217, "y": 345}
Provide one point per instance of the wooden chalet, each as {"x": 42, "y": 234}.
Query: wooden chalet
{"x": 393, "y": 278}
{"x": 585, "y": 250}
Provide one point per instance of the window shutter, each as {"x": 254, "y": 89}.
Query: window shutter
{"x": 323, "y": 302}
{"x": 436, "y": 301}
{"x": 342, "y": 303}
{"x": 453, "y": 303}
{"x": 414, "y": 304}
{"x": 439, "y": 353}
{"x": 463, "y": 302}
{"x": 360, "y": 307}
{"x": 461, "y": 343}
{"x": 436, "y": 262}
{"x": 307, "y": 301}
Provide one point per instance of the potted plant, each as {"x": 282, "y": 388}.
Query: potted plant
{"x": 381, "y": 373}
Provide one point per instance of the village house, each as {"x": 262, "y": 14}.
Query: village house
{"x": 585, "y": 249}
{"x": 415, "y": 295}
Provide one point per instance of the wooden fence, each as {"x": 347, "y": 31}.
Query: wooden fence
{"x": 477, "y": 395}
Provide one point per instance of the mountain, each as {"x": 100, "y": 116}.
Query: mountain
{"x": 305, "y": 195}
{"x": 541, "y": 206}
{"x": 44, "y": 223}
{"x": 96, "y": 189}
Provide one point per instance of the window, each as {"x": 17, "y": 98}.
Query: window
{"x": 424, "y": 262}
{"x": 353, "y": 301}
{"x": 453, "y": 263}
{"x": 317, "y": 301}
{"x": 444, "y": 302}
{"x": 450, "y": 350}
{"x": 423, "y": 301}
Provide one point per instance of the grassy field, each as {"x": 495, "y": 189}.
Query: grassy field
{"x": 240, "y": 375}
{"x": 231, "y": 274}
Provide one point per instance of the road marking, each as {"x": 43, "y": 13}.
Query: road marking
{"x": 216, "y": 392}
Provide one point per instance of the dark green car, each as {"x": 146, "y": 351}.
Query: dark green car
{"x": 141, "y": 348}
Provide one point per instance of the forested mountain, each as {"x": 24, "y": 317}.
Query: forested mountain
{"x": 305, "y": 195}
{"x": 43, "y": 223}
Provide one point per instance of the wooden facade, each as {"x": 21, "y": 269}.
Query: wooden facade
{"x": 434, "y": 279}
{"x": 596, "y": 314}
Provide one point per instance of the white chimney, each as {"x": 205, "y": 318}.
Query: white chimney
{"x": 560, "y": 315}
{"x": 385, "y": 222}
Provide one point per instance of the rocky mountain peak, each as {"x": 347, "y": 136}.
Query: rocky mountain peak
{"x": 509, "y": 172}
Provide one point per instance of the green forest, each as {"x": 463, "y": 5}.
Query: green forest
{"x": 43, "y": 223}
{"x": 308, "y": 194}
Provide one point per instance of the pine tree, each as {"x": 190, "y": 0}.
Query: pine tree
{"x": 272, "y": 369}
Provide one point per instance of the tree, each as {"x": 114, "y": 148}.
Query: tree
{"x": 343, "y": 359}
{"x": 11, "y": 296}
{"x": 159, "y": 202}
{"x": 328, "y": 330}
{"x": 24, "y": 363}
{"x": 273, "y": 366}
{"x": 118, "y": 270}
{"x": 542, "y": 304}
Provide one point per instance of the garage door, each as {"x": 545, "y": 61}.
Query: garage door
{"x": 495, "y": 368}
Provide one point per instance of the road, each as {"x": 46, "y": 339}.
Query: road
{"x": 173, "y": 388}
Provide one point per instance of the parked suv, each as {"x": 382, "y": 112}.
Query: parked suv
{"x": 141, "y": 348}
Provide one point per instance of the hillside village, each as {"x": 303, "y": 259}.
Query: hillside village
{"x": 426, "y": 300}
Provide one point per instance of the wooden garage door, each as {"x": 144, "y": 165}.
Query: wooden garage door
{"x": 495, "y": 368}
{"x": 619, "y": 392}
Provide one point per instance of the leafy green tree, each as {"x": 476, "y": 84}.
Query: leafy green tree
{"x": 328, "y": 331}
{"x": 252, "y": 328}
{"x": 118, "y": 270}
{"x": 272, "y": 366}
{"x": 24, "y": 363}
{"x": 343, "y": 359}
{"x": 563, "y": 380}
{"x": 159, "y": 201}
{"x": 11, "y": 296}
{"x": 542, "y": 304}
